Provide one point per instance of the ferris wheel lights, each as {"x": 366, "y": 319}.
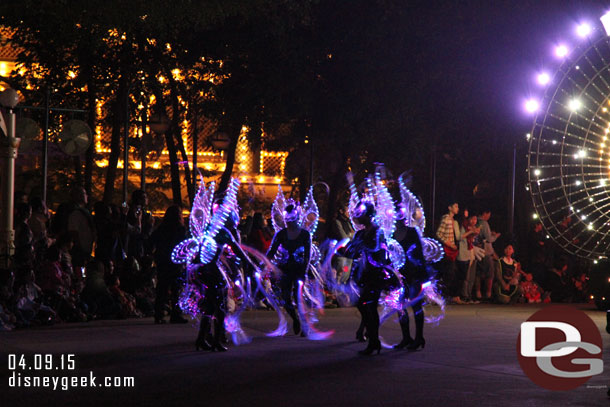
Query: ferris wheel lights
{"x": 561, "y": 51}
{"x": 583, "y": 30}
{"x": 604, "y": 109}
{"x": 536, "y": 172}
{"x": 554, "y": 141}
{"x": 590, "y": 227}
{"x": 574, "y": 104}
{"x": 605, "y": 19}
{"x": 527, "y": 136}
{"x": 535, "y": 216}
{"x": 532, "y": 105}
{"x": 543, "y": 78}
{"x": 577, "y": 182}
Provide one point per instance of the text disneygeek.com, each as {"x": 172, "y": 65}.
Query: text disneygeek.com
{"x": 56, "y": 363}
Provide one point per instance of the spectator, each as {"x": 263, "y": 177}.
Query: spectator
{"x": 170, "y": 232}
{"x": 487, "y": 268}
{"x": 531, "y": 291}
{"x": 74, "y": 218}
{"x": 466, "y": 264}
{"x": 557, "y": 281}
{"x": 448, "y": 233}
{"x": 507, "y": 278}
{"x": 24, "y": 248}
{"x": 258, "y": 237}
{"x": 38, "y": 223}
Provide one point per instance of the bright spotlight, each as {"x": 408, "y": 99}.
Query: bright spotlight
{"x": 561, "y": 51}
{"x": 543, "y": 78}
{"x": 583, "y": 30}
{"x": 605, "y": 19}
{"x": 532, "y": 105}
{"x": 574, "y": 104}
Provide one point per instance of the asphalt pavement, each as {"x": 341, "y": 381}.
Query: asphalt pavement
{"x": 470, "y": 359}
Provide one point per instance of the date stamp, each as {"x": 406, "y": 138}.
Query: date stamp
{"x": 41, "y": 361}
{"x": 57, "y": 372}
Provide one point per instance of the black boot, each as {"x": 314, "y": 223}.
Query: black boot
{"x": 374, "y": 345}
{"x": 608, "y": 321}
{"x": 406, "y": 335}
{"x": 204, "y": 330}
{"x": 360, "y": 333}
{"x": 371, "y": 319}
{"x": 296, "y": 323}
{"x": 219, "y": 329}
{"x": 419, "y": 330}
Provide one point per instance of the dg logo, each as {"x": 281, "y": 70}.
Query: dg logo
{"x": 560, "y": 348}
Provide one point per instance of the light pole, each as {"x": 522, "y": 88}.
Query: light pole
{"x": 9, "y": 145}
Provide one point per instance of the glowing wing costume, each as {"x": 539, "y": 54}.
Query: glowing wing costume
{"x": 206, "y": 221}
{"x": 310, "y": 291}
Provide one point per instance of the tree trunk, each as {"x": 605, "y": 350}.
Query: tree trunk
{"x": 115, "y": 142}
{"x": 174, "y": 170}
{"x": 233, "y": 132}
{"x": 91, "y": 121}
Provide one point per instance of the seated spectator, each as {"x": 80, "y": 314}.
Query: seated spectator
{"x": 531, "y": 291}
{"x": 126, "y": 302}
{"x": 506, "y": 286}
{"x": 7, "y": 318}
{"x": 96, "y": 295}
{"x": 57, "y": 293}
{"x": 557, "y": 282}
{"x": 29, "y": 305}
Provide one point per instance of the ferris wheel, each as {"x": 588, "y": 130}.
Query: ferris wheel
{"x": 569, "y": 146}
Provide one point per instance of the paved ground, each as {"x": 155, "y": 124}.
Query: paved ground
{"x": 469, "y": 360}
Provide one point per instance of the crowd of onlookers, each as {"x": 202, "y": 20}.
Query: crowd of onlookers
{"x": 115, "y": 263}
{"x": 480, "y": 266}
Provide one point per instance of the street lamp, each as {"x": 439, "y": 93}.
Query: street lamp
{"x": 9, "y": 145}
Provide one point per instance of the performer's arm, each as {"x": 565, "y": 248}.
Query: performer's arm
{"x": 275, "y": 244}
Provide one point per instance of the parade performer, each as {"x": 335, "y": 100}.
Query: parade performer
{"x": 375, "y": 253}
{"x": 213, "y": 228}
{"x": 294, "y": 253}
{"x": 415, "y": 271}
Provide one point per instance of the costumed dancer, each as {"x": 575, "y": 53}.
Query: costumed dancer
{"x": 375, "y": 252}
{"x": 409, "y": 235}
{"x": 294, "y": 253}
{"x": 206, "y": 284}
{"x": 293, "y": 244}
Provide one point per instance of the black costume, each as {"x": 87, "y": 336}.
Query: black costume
{"x": 213, "y": 304}
{"x": 294, "y": 256}
{"x": 372, "y": 273}
{"x": 415, "y": 274}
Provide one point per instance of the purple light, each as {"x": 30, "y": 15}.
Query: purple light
{"x": 583, "y": 30}
{"x": 532, "y": 105}
{"x": 605, "y": 19}
{"x": 543, "y": 78}
{"x": 561, "y": 51}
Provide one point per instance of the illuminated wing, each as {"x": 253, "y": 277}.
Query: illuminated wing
{"x": 228, "y": 205}
{"x": 432, "y": 249}
{"x": 386, "y": 213}
{"x": 397, "y": 253}
{"x": 202, "y": 205}
{"x": 411, "y": 205}
{"x": 310, "y": 213}
{"x": 277, "y": 210}
{"x": 354, "y": 199}
{"x": 185, "y": 251}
